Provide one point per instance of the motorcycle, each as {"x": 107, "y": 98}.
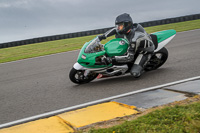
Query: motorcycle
{"x": 90, "y": 62}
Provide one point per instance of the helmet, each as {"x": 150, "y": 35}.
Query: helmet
{"x": 123, "y": 23}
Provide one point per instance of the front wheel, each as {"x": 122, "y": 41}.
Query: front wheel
{"x": 157, "y": 59}
{"x": 78, "y": 77}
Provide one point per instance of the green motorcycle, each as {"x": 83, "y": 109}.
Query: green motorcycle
{"x": 90, "y": 62}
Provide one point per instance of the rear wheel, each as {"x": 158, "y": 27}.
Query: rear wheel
{"x": 157, "y": 59}
{"x": 78, "y": 77}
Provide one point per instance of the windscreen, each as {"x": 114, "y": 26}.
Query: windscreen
{"x": 94, "y": 46}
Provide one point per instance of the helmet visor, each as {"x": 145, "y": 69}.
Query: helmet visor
{"x": 120, "y": 26}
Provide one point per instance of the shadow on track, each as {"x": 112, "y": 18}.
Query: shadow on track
{"x": 123, "y": 80}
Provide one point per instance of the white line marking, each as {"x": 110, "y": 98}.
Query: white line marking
{"x": 45, "y": 115}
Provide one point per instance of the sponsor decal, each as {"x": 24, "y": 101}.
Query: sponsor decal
{"x": 83, "y": 57}
{"x": 122, "y": 42}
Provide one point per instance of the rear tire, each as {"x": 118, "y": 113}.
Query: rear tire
{"x": 77, "y": 76}
{"x": 157, "y": 59}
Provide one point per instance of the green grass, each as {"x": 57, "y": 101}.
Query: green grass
{"x": 178, "y": 119}
{"x": 51, "y": 47}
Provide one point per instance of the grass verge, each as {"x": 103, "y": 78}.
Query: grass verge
{"x": 52, "y": 47}
{"x": 171, "y": 119}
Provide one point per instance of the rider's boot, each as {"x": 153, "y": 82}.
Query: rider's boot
{"x": 139, "y": 64}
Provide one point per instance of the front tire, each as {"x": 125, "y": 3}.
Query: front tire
{"x": 77, "y": 76}
{"x": 157, "y": 59}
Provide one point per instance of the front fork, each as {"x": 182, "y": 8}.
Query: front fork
{"x": 77, "y": 66}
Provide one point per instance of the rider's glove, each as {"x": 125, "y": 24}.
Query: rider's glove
{"x": 108, "y": 60}
{"x": 101, "y": 37}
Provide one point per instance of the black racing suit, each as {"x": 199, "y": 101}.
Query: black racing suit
{"x": 140, "y": 44}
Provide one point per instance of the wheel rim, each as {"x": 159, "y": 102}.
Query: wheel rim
{"x": 155, "y": 61}
{"x": 80, "y": 77}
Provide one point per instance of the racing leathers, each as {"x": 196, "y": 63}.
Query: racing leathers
{"x": 140, "y": 47}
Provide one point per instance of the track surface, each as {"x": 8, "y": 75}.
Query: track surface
{"x": 39, "y": 85}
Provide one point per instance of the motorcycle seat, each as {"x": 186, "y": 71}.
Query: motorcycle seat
{"x": 155, "y": 40}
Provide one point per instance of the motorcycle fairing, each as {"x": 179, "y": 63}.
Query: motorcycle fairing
{"x": 92, "y": 52}
{"x": 164, "y": 37}
{"x": 87, "y": 57}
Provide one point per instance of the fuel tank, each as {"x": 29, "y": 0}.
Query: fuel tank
{"x": 116, "y": 47}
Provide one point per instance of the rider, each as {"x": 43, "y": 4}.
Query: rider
{"x": 140, "y": 47}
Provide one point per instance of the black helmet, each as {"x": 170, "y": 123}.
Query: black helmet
{"x": 123, "y": 23}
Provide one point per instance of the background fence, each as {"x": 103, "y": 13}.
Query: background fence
{"x": 97, "y": 31}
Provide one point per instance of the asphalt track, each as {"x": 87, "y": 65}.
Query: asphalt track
{"x": 39, "y": 85}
